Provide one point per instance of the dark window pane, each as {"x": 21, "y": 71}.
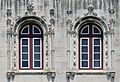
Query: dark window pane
{"x": 84, "y": 63}
{"x": 96, "y": 48}
{"x": 36, "y": 63}
{"x": 36, "y": 30}
{"x": 25, "y": 30}
{"x": 24, "y": 63}
{"x": 96, "y": 56}
{"x": 24, "y": 49}
{"x": 37, "y": 49}
{"x": 85, "y": 30}
{"x": 24, "y": 41}
{"x": 96, "y": 41}
{"x": 96, "y": 63}
{"x": 36, "y": 41}
{"x": 84, "y": 56}
{"x": 84, "y": 49}
{"x": 24, "y": 56}
{"x": 84, "y": 42}
{"x": 37, "y": 56}
{"x": 96, "y": 30}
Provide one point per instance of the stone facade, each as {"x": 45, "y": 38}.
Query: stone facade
{"x": 60, "y": 20}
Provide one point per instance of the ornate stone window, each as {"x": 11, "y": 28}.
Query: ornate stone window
{"x": 30, "y": 46}
{"x": 90, "y": 46}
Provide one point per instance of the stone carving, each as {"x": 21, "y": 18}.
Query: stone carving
{"x": 30, "y": 9}
{"x": 52, "y": 12}
{"x": 111, "y": 76}
{"x": 90, "y": 10}
{"x": 9, "y": 12}
{"x": 111, "y": 11}
{"x": 70, "y": 75}
{"x": 52, "y": 21}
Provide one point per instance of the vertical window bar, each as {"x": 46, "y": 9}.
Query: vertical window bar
{"x": 96, "y": 53}
{"x": 24, "y": 53}
{"x": 37, "y": 53}
{"x": 84, "y": 53}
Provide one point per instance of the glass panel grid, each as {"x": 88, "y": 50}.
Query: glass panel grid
{"x": 24, "y": 52}
{"x": 37, "y": 52}
{"x": 84, "y": 53}
{"x": 96, "y": 52}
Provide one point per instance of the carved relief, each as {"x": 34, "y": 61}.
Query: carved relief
{"x": 90, "y": 10}
{"x": 30, "y": 9}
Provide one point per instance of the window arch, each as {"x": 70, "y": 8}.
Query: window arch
{"x": 90, "y": 46}
{"x": 30, "y": 46}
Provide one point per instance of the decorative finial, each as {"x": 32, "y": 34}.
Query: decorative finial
{"x": 30, "y": 7}
{"x": 90, "y": 10}
{"x": 90, "y": 7}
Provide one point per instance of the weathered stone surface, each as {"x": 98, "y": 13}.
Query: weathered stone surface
{"x": 59, "y": 39}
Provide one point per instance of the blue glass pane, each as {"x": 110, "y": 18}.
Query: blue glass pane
{"x": 24, "y": 49}
{"x": 36, "y": 63}
{"x": 24, "y": 41}
{"x": 37, "y": 56}
{"x": 24, "y": 56}
{"x": 96, "y": 63}
{"x": 96, "y": 56}
{"x": 36, "y": 30}
{"x": 96, "y": 41}
{"x": 84, "y": 42}
{"x": 37, "y": 49}
{"x": 84, "y": 56}
{"x": 85, "y": 30}
{"x": 96, "y": 30}
{"x": 84, "y": 63}
{"x": 25, "y": 30}
{"x": 24, "y": 63}
{"x": 96, "y": 48}
{"x": 84, "y": 49}
{"x": 36, "y": 41}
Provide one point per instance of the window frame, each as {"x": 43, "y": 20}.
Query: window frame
{"x": 21, "y": 54}
{"x": 100, "y": 53}
{"x": 81, "y": 53}
{"x": 31, "y": 37}
{"x": 90, "y": 37}
{"x": 40, "y": 53}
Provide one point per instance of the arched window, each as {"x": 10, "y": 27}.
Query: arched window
{"x": 90, "y": 46}
{"x": 30, "y": 47}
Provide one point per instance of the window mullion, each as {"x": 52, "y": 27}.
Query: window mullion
{"x": 90, "y": 52}
{"x": 31, "y": 53}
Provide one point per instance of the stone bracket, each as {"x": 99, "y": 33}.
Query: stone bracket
{"x": 11, "y": 75}
{"x": 71, "y": 75}
{"x": 110, "y": 75}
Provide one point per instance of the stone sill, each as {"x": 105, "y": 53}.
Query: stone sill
{"x": 91, "y": 72}
{"x": 29, "y": 72}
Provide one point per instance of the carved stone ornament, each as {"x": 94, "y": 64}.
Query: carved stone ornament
{"x": 52, "y": 12}
{"x": 111, "y": 11}
{"x": 30, "y": 9}
{"x": 70, "y": 75}
{"x": 90, "y": 10}
{"x": 111, "y": 75}
{"x": 9, "y": 12}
